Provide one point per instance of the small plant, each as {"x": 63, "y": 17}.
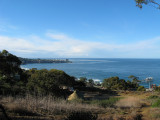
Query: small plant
{"x": 153, "y": 97}
{"x": 156, "y": 104}
{"x": 81, "y": 116}
{"x": 155, "y": 113}
{"x": 106, "y": 103}
{"x": 157, "y": 116}
{"x": 47, "y": 105}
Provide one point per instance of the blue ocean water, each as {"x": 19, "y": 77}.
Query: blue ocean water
{"x": 100, "y": 68}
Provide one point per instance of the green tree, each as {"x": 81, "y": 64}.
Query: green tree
{"x": 48, "y": 82}
{"x": 10, "y": 64}
{"x": 135, "y": 80}
{"x": 11, "y": 80}
{"x": 140, "y": 3}
{"x": 83, "y": 79}
{"x": 115, "y": 83}
{"x": 81, "y": 82}
{"x": 141, "y": 88}
{"x": 91, "y": 82}
{"x": 61, "y": 78}
{"x": 110, "y": 82}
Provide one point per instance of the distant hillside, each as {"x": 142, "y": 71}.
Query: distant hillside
{"x": 29, "y": 61}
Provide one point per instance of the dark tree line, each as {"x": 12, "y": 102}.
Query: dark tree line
{"x": 14, "y": 80}
{"x": 114, "y": 83}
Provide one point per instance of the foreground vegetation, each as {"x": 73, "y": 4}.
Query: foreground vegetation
{"x": 125, "y": 105}
{"x": 47, "y": 94}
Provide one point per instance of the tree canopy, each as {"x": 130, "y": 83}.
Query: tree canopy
{"x": 114, "y": 83}
{"x": 140, "y": 3}
{"x": 48, "y": 82}
{"x": 12, "y": 78}
{"x": 10, "y": 64}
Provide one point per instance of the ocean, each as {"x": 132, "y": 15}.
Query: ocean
{"x": 101, "y": 68}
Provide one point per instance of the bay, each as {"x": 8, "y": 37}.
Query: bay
{"x": 101, "y": 68}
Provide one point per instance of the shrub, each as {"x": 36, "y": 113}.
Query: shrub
{"x": 157, "y": 89}
{"x": 44, "y": 105}
{"x": 153, "y": 97}
{"x": 81, "y": 116}
{"x": 141, "y": 88}
{"x": 114, "y": 83}
{"x": 155, "y": 113}
{"x": 106, "y": 103}
{"x": 156, "y": 104}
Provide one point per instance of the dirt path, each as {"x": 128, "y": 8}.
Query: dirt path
{"x": 138, "y": 98}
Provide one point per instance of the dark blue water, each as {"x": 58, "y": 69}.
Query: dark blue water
{"x": 104, "y": 68}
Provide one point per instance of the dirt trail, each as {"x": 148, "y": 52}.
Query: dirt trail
{"x": 145, "y": 108}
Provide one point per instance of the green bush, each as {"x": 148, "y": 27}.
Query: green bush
{"x": 141, "y": 88}
{"x": 105, "y": 103}
{"x": 114, "y": 83}
{"x": 157, "y": 89}
{"x": 153, "y": 97}
{"x": 156, "y": 104}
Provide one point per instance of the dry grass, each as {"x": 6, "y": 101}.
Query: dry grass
{"x": 44, "y": 105}
{"x": 129, "y": 102}
{"x": 58, "y": 109}
{"x": 155, "y": 113}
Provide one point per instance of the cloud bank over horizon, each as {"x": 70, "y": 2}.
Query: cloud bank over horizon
{"x": 61, "y": 45}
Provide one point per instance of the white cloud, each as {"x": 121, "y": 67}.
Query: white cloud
{"x": 65, "y": 46}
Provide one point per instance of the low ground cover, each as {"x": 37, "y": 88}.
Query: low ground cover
{"x": 124, "y": 106}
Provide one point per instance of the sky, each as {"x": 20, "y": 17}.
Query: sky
{"x": 79, "y": 29}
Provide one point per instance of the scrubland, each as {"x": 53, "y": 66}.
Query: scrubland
{"x": 125, "y": 105}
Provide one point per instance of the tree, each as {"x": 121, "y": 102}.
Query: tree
{"x": 48, "y": 82}
{"x": 110, "y": 82}
{"x": 115, "y": 83}
{"x": 81, "y": 82}
{"x": 83, "y": 79}
{"x": 11, "y": 80}
{"x": 140, "y": 3}
{"x": 91, "y": 82}
{"x": 134, "y": 79}
{"x": 9, "y": 64}
{"x": 141, "y": 88}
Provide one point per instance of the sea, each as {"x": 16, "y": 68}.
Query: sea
{"x": 101, "y": 68}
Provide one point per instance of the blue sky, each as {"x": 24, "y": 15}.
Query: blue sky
{"x": 79, "y": 29}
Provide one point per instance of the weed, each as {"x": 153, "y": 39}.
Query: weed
{"x": 46, "y": 105}
{"x": 153, "y": 97}
{"x": 105, "y": 103}
{"x": 156, "y": 104}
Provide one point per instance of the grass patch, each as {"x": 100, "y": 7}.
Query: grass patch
{"x": 156, "y": 104}
{"x": 46, "y": 105}
{"x": 153, "y": 97}
{"x": 81, "y": 116}
{"x": 155, "y": 100}
{"x": 154, "y": 112}
{"x": 105, "y": 103}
